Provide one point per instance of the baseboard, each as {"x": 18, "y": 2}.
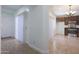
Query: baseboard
{"x": 39, "y": 50}
{"x": 8, "y": 37}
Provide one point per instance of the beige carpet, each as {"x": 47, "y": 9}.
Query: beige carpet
{"x": 11, "y": 46}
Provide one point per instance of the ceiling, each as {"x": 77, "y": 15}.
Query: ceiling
{"x": 11, "y": 7}
{"x": 57, "y": 10}
{"x": 14, "y": 8}
{"x": 60, "y": 10}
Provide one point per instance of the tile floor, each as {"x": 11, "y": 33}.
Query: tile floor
{"x": 64, "y": 45}
{"x": 58, "y": 44}
{"x": 11, "y": 46}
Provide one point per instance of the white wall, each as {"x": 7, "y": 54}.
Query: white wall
{"x": 36, "y": 25}
{"x": 37, "y": 28}
{"x": 45, "y": 28}
{"x": 26, "y": 26}
{"x": 0, "y": 21}
{"x": 0, "y": 29}
{"x": 60, "y": 28}
{"x": 52, "y": 25}
{"x": 8, "y": 25}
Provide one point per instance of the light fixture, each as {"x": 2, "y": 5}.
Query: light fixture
{"x": 27, "y": 9}
{"x": 70, "y": 12}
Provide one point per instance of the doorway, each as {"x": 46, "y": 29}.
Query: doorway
{"x": 19, "y": 27}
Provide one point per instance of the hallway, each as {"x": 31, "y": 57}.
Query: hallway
{"x": 63, "y": 44}
{"x": 11, "y": 46}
